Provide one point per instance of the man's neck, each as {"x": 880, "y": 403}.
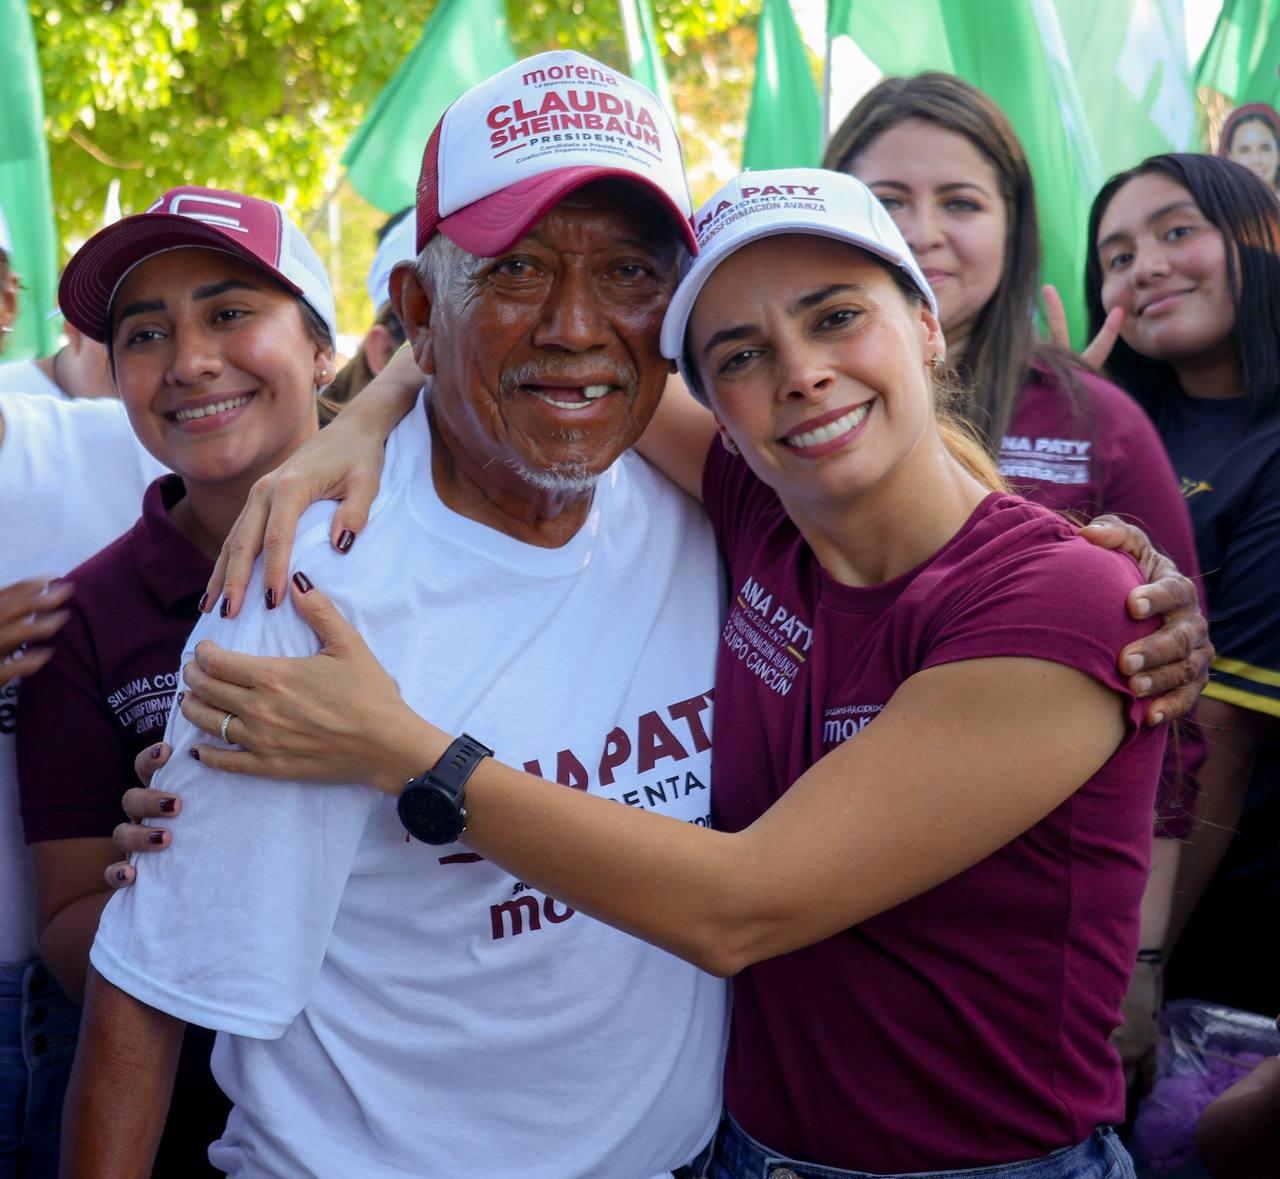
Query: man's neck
{"x": 504, "y": 501}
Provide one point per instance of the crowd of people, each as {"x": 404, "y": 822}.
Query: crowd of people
{"x": 605, "y": 465}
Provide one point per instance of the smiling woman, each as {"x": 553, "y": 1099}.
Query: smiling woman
{"x": 1189, "y": 247}
{"x": 218, "y": 320}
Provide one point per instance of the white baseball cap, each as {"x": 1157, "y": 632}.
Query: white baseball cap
{"x": 778, "y": 201}
{"x": 514, "y": 146}
{"x": 6, "y": 242}
{"x": 395, "y": 247}
{"x": 260, "y": 232}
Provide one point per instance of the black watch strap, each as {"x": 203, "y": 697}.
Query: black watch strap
{"x": 431, "y": 806}
{"x": 458, "y": 764}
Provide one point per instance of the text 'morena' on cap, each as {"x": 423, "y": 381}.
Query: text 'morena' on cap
{"x": 514, "y": 146}
{"x": 258, "y": 231}
{"x": 786, "y": 200}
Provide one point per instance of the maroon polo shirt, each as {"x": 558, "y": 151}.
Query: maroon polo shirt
{"x": 106, "y": 693}
{"x": 104, "y": 696}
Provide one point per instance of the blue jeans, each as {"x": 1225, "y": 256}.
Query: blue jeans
{"x": 38, "y": 1026}
{"x": 739, "y": 1156}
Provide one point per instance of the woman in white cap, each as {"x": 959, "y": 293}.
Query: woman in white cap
{"x": 218, "y": 320}
{"x": 930, "y": 927}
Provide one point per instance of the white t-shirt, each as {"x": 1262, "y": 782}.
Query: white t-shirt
{"x": 26, "y": 377}
{"x": 72, "y": 476}
{"x": 398, "y": 1009}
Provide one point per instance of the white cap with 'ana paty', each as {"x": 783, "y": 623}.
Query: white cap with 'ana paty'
{"x": 778, "y": 201}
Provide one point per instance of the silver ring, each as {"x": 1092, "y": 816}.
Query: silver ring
{"x": 222, "y": 728}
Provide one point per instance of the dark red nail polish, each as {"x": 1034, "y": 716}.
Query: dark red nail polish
{"x": 155, "y": 837}
{"x": 204, "y": 601}
{"x": 303, "y": 582}
{"x": 270, "y": 596}
{"x": 346, "y": 538}
{"x": 122, "y": 875}
{"x": 195, "y": 753}
{"x": 155, "y": 752}
{"x": 225, "y": 608}
{"x": 168, "y": 805}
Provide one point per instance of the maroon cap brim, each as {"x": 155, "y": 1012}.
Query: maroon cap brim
{"x": 495, "y": 223}
{"x": 90, "y": 279}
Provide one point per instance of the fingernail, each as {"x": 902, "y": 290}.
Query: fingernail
{"x": 168, "y": 806}
{"x": 270, "y": 596}
{"x": 204, "y": 601}
{"x": 303, "y": 582}
{"x": 1142, "y": 684}
{"x": 1142, "y": 607}
{"x": 346, "y": 538}
{"x": 155, "y": 752}
{"x": 121, "y": 875}
{"x": 155, "y": 837}
{"x": 195, "y": 753}
{"x": 225, "y": 608}
{"x": 1134, "y": 663}
{"x": 1158, "y": 719}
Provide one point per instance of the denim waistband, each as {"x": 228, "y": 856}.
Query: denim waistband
{"x": 1100, "y": 1156}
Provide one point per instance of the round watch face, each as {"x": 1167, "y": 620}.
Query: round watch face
{"x": 430, "y": 814}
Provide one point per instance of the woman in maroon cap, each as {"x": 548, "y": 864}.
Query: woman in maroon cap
{"x": 1251, "y": 137}
{"x": 218, "y": 320}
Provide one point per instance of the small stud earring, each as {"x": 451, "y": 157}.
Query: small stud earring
{"x": 729, "y": 444}
{"x": 935, "y": 360}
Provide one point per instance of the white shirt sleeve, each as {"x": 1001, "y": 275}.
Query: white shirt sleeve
{"x": 229, "y": 927}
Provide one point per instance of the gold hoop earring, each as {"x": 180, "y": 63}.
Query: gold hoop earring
{"x": 729, "y": 444}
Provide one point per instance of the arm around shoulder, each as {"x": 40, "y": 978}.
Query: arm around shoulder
{"x": 678, "y": 437}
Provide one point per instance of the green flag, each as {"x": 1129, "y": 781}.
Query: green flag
{"x": 1242, "y": 59}
{"x": 464, "y": 42}
{"x": 643, "y": 54}
{"x": 1133, "y": 78}
{"x": 1015, "y": 51}
{"x": 784, "y": 126}
{"x": 25, "y": 193}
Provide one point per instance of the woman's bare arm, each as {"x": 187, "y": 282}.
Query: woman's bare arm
{"x": 70, "y": 897}
{"x": 677, "y": 439}
{"x": 942, "y": 784}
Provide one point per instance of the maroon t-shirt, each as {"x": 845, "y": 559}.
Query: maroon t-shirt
{"x": 1100, "y": 453}
{"x": 967, "y": 1026}
{"x": 103, "y": 697}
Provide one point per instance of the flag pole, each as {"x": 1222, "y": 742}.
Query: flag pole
{"x": 826, "y": 92}
{"x": 631, "y": 31}
{"x": 313, "y": 223}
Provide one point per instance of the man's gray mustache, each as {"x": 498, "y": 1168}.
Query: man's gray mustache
{"x": 601, "y": 370}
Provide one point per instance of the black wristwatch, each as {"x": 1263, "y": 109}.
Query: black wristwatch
{"x": 431, "y": 806}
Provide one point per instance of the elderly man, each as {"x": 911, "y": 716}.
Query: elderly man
{"x": 393, "y": 1008}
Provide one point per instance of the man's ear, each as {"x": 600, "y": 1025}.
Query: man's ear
{"x": 413, "y": 305}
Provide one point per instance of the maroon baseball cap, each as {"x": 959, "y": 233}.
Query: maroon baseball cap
{"x": 258, "y": 231}
{"x": 514, "y": 146}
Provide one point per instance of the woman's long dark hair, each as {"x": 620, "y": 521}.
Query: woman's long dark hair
{"x": 1002, "y": 344}
{"x": 1242, "y": 207}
